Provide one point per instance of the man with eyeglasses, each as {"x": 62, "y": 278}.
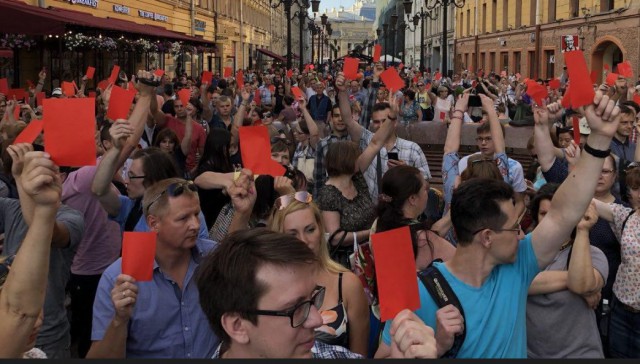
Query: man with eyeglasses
{"x": 159, "y": 318}
{"x": 512, "y": 173}
{"x": 494, "y": 263}
{"x": 267, "y": 307}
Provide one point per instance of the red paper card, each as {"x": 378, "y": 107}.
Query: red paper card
{"x": 636, "y": 98}
{"x": 576, "y": 129}
{"x": 297, "y": 92}
{"x": 103, "y": 84}
{"x": 68, "y": 89}
{"x": 582, "y": 93}
{"x": 30, "y": 132}
{"x": 272, "y": 89}
{"x": 377, "y": 52}
{"x": 114, "y": 74}
{"x": 566, "y": 98}
{"x": 227, "y": 72}
{"x": 392, "y": 79}
{"x": 90, "y": 72}
{"x": 240, "y": 79}
{"x": 611, "y": 79}
{"x": 69, "y": 126}
{"x": 350, "y": 68}
{"x": 625, "y": 69}
{"x": 438, "y": 76}
{"x": 255, "y": 147}
{"x": 594, "y": 76}
{"x": 159, "y": 72}
{"x": 4, "y": 86}
{"x": 256, "y": 97}
{"x": 132, "y": 88}
{"x": 395, "y": 272}
{"x": 207, "y": 77}
{"x": 289, "y": 73}
{"x": 401, "y": 66}
{"x": 138, "y": 254}
{"x": 16, "y": 112}
{"x": 30, "y": 84}
{"x": 606, "y": 67}
{"x": 537, "y": 92}
{"x": 184, "y": 95}
{"x": 119, "y": 103}
{"x": 554, "y": 84}
{"x": 18, "y": 93}
{"x": 443, "y": 115}
{"x": 39, "y": 97}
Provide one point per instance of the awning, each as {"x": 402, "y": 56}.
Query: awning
{"x": 6, "y": 53}
{"x": 268, "y": 53}
{"x": 20, "y": 18}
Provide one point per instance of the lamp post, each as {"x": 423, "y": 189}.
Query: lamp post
{"x": 421, "y": 15}
{"x": 385, "y": 29}
{"x": 302, "y": 4}
{"x": 445, "y": 7}
{"x": 394, "y": 23}
{"x": 302, "y": 17}
{"x": 312, "y": 27}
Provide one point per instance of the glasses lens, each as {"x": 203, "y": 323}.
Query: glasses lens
{"x": 301, "y": 313}
{"x": 303, "y": 196}
{"x": 318, "y": 299}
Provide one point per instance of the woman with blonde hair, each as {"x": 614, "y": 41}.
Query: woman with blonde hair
{"x": 345, "y": 311}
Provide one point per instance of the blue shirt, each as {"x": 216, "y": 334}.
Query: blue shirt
{"x": 495, "y": 313}
{"x": 127, "y": 204}
{"x": 166, "y": 322}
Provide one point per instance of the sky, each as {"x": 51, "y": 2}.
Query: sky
{"x": 328, "y": 4}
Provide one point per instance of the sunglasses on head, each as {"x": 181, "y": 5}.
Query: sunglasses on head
{"x": 175, "y": 190}
{"x": 300, "y": 196}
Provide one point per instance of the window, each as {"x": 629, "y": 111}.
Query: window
{"x": 574, "y": 7}
{"x": 494, "y": 15}
{"x": 484, "y": 18}
{"x": 549, "y": 57}
{"x": 552, "y": 10}
{"x": 532, "y": 64}
{"x": 518, "y": 13}
{"x": 482, "y": 61}
{"x": 492, "y": 62}
{"x": 517, "y": 60}
{"x": 606, "y": 5}
{"x": 461, "y": 22}
{"x": 532, "y": 12}
{"x": 504, "y": 61}
{"x": 468, "y": 22}
{"x": 505, "y": 14}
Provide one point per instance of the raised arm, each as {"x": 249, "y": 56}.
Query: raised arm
{"x": 494, "y": 123}
{"x": 242, "y": 110}
{"x": 574, "y": 195}
{"x": 355, "y": 129}
{"x": 314, "y": 133}
{"x": 544, "y": 148}
{"x": 584, "y": 279}
{"x": 185, "y": 144}
{"x": 454, "y": 132}
{"x": 377, "y": 142}
{"x": 23, "y": 293}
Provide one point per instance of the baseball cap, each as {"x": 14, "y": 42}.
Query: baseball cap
{"x": 56, "y": 92}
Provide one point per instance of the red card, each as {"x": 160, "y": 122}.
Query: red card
{"x": 576, "y": 129}
{"x": 114, "y": 74}
{"x": 227, "y": 72}
{"x": 377, "y": 52}
{"x": 392, "y": 79}
{"x": 256, "y": 97}
{"x": 395, "y": 272}
{"x": 68, "y": 89}
{"x": 103, "y": 84}
{"x": 582, "y": 93}
{"x": 39, "y": 97}
{"x": 30, "y": 133}
{"x": 606, "y": 67}
{"x": 30, "y": 84}
{"x": 93, "y": 94}
{"x": 138, "y": 254}
{"x": 69, "y": 126}
{"x": 16, "y": 112}
{"x": 207, "y": 77}
{"x": 4, "y": 86}
{"x": 401, "y": 66}
{"x": 159, "y": 72}
{"x": 566, "y": 98}
{"x": 594, "y": 76}
{"x": 18, "y": 93}
{"x": 255, "y": 147}
{"x": 612, "y": 78}
{"x": 184, "y": 95}
{"x": 132, "y": 88}
{"x": 119, "y": 103}
{"x": 537, "y": 92}
{"x": 90, "y": 72}
{"x": 438, "y": 76}
{"x": 289, "y": 73}
{"x": 443, "y": 115}
{"x": 240, "y": 79}
{"x": 554, "y": 84}
{"x": 636, "y": 98}
{"x": 297, "y": 92}
{"x": 350, "y": 68}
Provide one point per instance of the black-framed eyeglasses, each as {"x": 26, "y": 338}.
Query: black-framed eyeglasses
{"x": 516, "y": 227}
{"x": 484, "y": 140}
{"x": 299, "y": 313}
{"x": 175, "y": 190}
{"x": 4, "y": 269}
{"x": 133, "y": 176}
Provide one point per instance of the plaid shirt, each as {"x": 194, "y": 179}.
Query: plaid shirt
{"x": 320, "y": 350}
{"x": 320, "y": 171}
{"x": 367, "y": 105}
{"x": 408, "y": 151}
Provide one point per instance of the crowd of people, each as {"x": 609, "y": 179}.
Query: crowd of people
{"x": 544, "y": 262}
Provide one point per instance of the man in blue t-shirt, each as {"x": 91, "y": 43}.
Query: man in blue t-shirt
{"x": 494, "y": 263}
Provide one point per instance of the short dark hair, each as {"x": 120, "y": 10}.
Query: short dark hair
{"x": 380, "y": 106}
{"x": 485, "y": 128}
{"x": 474, "y": 206}
{"x": 545, "y": 192}
{"x": 227, "y": 280}
{"x": 168, "y": 89}
{"x": 156, "y": 165}
{"x": 627, "y": 110}
{"x": 166, "y": 133}
{"x": 341, "y": 158}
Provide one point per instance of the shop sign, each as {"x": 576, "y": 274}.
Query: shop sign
{"x": 153, "y": 16}
{"x": 91, "y": 3}
{"x": 200, "y": 25}
{"x": 120, "y": 9}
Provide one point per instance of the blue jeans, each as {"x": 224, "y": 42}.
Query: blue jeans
{"x": 624, "y": 332}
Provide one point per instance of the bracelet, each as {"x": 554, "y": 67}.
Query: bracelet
{"x": 596, "y": 152}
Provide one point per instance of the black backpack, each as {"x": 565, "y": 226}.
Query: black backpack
{"x": 441, "y": 291}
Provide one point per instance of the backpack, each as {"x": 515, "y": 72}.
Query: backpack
{"x": 443, "y": 295}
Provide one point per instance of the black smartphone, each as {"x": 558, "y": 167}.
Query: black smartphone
{"x": 393, "y": 155}
{"x": 474, "y": 101}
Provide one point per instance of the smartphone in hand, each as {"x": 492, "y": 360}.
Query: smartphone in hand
{"x": 393, "y": 155}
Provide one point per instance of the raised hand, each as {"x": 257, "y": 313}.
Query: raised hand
{"x": 555, "y": 111}
{"x": 120, "y": 131}
{"x": 602, "y": 115}
{"x": 463, "y": 102}
{"x": 243, "y": 192}
{"x": 147, "y": 82}
{"x": 17, "y": 153}
{"x": 589, "y": 219}
{"x": 40, "y": 179}
{"x": 42, "y": 75}
{"x": 283, "y": 186}
{"x": 449, "y": 323}
{"x": 245, "y": 94}
{"x": 377, "y": 70}
{"x": 411, "y": 338}
{"x": 124, "y": 296}
{"x": 394, "y": 102}
{"x": 540, "y": 115}
{"x": 572, "y": 153}
{"x": 341, "y": 82}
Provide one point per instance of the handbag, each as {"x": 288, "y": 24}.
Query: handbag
{"x": 339, "y": 253}
{"x": 306, "y": 166}
{"x": 362, "y": 265}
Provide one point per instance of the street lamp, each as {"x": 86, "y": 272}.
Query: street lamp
{"x": 302, "y": 16}
{"x": 314, "y": 32}
{"x": 385, "y": 29}
{"x": 422, "y": 15}
{"x": 315, "y": 4}
{"x": 445, "y": 6}
{"x": 394, "y": 23}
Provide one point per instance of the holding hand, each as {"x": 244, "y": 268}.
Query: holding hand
{"x": 243, "y": 192}
{"x": 411, "y": 338}
{"x": 449, "y": 323}
{"x": 589, "y": 219}
{"x": 120, "y": 131}
{"x": 124, "y": 296}
{"x": 602, "y": 115}
{"x": 40, "y": 179}
{"x": 341, "y": 82}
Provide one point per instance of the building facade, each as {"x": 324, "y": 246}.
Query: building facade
{"x": 529, "y": 36}
{"x": 351, "y": 27}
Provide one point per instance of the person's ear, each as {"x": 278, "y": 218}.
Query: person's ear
{"x": 236, "y": 327}
{"x": 153, "y": 222}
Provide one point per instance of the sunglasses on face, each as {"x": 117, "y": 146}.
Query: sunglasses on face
{"x": 175, "y": 190}
{"x": 300, "y": 196}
